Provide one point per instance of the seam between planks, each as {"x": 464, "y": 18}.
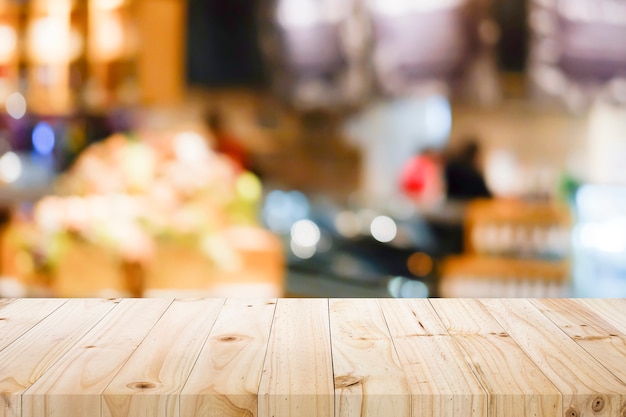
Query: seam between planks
{"x": 575, "y": 341}
{"x": 129, "y": 356}
{"x": 459, "y": 349}
{"x": 267, "y": 348}
{"x": 206, "y": 339}
{"x": 39, "y": 321}
{"x": 332, "y": 362}
{"x": 527, "y": 354}
{"x": 78, "y": 339}
{"x": 395, "y": 349}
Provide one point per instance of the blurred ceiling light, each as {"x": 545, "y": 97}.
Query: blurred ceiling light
{"x": 109, "y": 4}
{"x": 8, "y": 43}
{"x": 10, "y": 167}
{"x": 16, "y": 105}
{"x": 400, "y": 7}
{"x": 298, "y": 13}
{"x": 43, "y": 138}
{"x": 383, "y": 229}
{"x": 108, "y": 37}
{"x": 308, "y": 13}
{"x": 50, "y": 39}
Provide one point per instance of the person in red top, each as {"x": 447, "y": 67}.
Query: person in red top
{"x": 225, "y": 142}
{"x": 421, "y": 178}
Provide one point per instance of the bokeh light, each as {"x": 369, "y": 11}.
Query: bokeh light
{"x": 305, "y": 233}
{"x": 16, "y": 105}
{"x": 249, "y": 187}
{"x": 43, "y": 138}
{"x": 10, "y": 167}
{"x": 8, "y": 42}
{"x": 282, "y": 209}
{"x": 383, "y": 228}
{"x": 109, "y": 4}
{"x": 420, "y": 264}
{"x": 190, "y": 147}
{"x": 438, "y": 119}
{"x": 347, "y": 224}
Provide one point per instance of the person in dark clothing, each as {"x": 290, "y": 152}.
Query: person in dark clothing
{"x": 463, "y": 178}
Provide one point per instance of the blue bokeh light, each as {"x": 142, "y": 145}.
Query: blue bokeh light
{"x": 43, "y": 138}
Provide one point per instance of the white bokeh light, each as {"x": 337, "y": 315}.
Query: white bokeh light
{"x": 305, "y": 233}
{"x": 10, "y": 167}
{"x": 190, "y": 147}
{"x": 16, "y": 105}
{"x": 383, "y": 229}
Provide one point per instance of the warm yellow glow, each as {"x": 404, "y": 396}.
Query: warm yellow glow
{"x": 108, "y": 37}
{"x": 51, "y": 40}
{"x": 8, "y": 42}
{"x": 109, "y": 4}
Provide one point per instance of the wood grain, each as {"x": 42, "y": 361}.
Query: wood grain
{"x": 587, "y": 387}
{"x": 225, "y": 379}
{"x": 613, "y": 310}
{"x": 40, "y": 347}
{"x": 150, "y": 382}
{"x": 18, "y": 316}
{"x": 93, "y": 362}
{"x": 599, "y": 338}
{"x": 516, "y": 386}
{"x": 441, "y": 382}
{"x": 369, "y": 380}
{"x": 297, "y": 377}
{"x": 313, "y": 358}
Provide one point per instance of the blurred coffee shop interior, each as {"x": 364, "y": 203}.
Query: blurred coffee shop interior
{"x": 313, "y": 148}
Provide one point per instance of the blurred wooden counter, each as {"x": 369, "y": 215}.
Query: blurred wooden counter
{"x": 312, "y": 357}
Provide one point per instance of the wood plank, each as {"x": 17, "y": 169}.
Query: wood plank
{"x": 150, "y": 382}
{"x": 516, "y": 386}
{"x": 90, "y": 366}
{"x": 599, "y": 338}
{"x": 587, "y": 387}
{"x": 297, "y": 377}
{"x": 440, "y": 380}
{"x": 369, "y": 380}
{"x": 613, "y": 310}
{"x": 225, "y": 380}
{"x": 19, "y": 316}
{"x": 29, "y": 357}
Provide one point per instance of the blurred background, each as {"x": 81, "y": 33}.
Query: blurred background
{"x": 313, "y": 148}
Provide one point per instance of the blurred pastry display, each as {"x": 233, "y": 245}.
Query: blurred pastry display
{"x": 156, "y": 215}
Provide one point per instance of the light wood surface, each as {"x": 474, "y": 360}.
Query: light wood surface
{"x": 313, "y": 357}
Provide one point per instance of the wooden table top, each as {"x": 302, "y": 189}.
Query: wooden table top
{"x": 313, "y": 357}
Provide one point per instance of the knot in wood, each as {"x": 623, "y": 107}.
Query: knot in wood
{"x": 141, "y": 385}
{"x": 345, "y": 381}
{"x": 597, "y": 404}
{"x": 571, "y": 412}
{"x": 229, "y": 338}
